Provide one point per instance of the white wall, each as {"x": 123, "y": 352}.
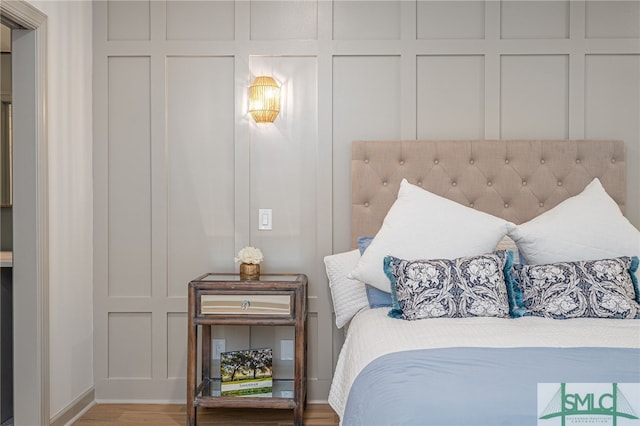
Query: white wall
{"x": 70, "y": 200}
{"x": 181, "y": 169}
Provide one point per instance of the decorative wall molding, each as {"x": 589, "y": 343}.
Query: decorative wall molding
{"x": 360, "y": 70}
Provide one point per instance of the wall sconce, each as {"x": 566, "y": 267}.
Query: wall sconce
{"x": 264, "y": 99}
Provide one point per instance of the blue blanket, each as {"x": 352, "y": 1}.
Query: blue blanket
{"x": 476, "y": 386}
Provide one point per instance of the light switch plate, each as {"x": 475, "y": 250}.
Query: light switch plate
{"x": 265, "y": 219}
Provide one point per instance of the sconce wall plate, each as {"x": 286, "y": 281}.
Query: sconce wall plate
{"x": 264, "y": 99}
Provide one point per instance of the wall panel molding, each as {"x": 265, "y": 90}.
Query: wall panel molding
{"x": 354, "y": 20}
{"x": 129, "y": 20}
{"x": 534, "y": 96}
{"x": 199, "y": 154}
{"x": 129, "y": 181}
{"x": 450, "y": 100}
{"x": 535, "y": 19}
{"x": 600, "y": 15}
{"x": 200, "y": 20}
{"x": 349, "y": 70}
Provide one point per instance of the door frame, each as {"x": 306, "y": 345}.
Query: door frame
{"x": 30, "y": 214}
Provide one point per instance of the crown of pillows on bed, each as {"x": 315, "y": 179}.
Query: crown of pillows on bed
{"x": 434, "y": 257}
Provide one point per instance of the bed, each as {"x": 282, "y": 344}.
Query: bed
{"x": 521, "y": 359}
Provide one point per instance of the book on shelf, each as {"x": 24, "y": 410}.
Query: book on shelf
{"x": 246, "y": 373}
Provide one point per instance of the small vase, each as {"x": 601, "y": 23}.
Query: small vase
{"x": 249, "y": 271}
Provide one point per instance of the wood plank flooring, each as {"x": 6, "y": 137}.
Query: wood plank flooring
{"x": 174, "y": 414}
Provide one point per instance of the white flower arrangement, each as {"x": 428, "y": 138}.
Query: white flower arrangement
{"x": 249, "y": 255}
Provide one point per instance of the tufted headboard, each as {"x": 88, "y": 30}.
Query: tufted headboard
{"x": 516, "y": 180}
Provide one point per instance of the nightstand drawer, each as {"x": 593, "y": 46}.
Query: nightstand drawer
{"x": 245, "y": 304}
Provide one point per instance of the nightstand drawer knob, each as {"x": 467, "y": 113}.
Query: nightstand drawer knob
{"x": 245, "y": 305}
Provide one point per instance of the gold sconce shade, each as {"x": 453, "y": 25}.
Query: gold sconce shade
{"x": 264, "y": 99}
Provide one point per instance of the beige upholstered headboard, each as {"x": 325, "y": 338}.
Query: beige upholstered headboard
{"x": 516, "y": 180}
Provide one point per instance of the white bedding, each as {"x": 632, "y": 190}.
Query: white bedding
{"x": 373, "y": 334}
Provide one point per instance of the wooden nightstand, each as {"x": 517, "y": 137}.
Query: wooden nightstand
{"x": 224, "y": 299}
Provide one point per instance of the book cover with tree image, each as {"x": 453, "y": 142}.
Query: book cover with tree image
{"x": 246, "y": 373}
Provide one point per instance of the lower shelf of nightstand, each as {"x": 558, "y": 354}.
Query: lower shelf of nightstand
{"x": 282, "y": 396}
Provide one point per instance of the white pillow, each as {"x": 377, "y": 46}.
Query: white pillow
{"x": 422, "y": 225}
{"x": 349, "y": 296}
{"x": 588, "y": 226}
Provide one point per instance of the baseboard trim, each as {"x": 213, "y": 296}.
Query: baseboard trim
{"x": 141, "y": 401}
{"x": 173, "y": 401}
{"x": 75, "y": 409}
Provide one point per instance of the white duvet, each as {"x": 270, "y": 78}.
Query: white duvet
{"x": 373, "y": 334}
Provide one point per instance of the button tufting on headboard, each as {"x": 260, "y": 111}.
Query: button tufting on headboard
{"x": 516, "y": 180}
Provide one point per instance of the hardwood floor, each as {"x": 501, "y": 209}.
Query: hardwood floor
{"x": 165, "y": 415}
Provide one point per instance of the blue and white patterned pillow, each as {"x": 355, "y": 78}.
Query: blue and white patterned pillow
{"x": 605, "y": 288}
{"x": 471, "y": 286}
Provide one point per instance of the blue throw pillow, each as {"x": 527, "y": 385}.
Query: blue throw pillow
{"x": 377, "y": 298}
{"x": 363, "y": 243}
